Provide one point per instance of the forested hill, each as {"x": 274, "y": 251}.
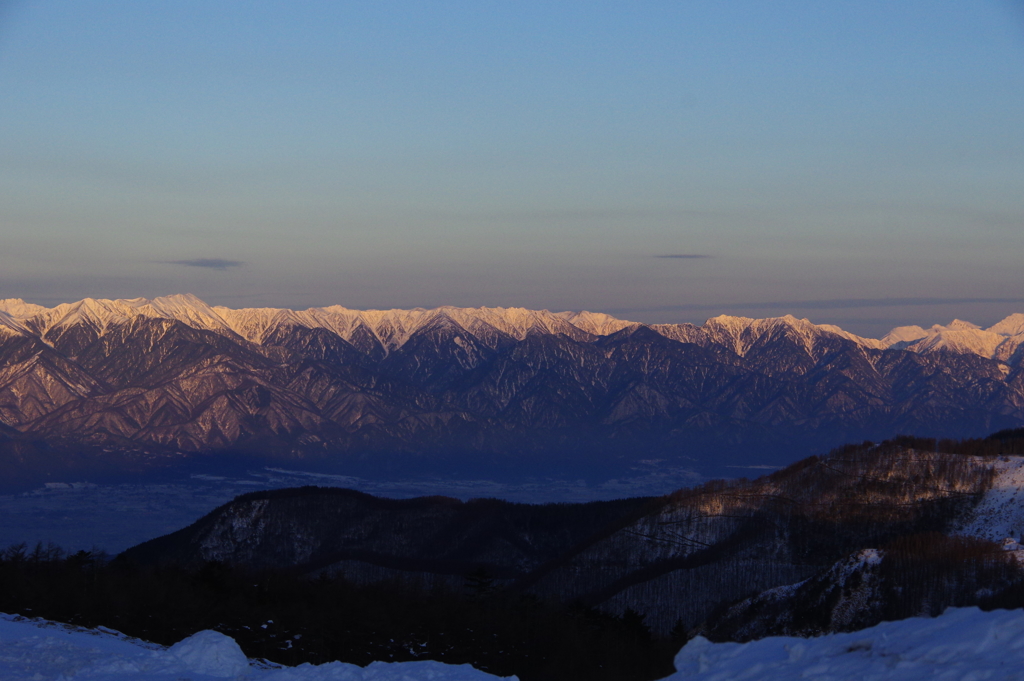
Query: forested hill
{"x": 672, "y": 559}
{"x": 314, "y": 527}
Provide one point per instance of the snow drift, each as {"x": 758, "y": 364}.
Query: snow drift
{"x": 38, "y": 650}
{"x": 961, "y": 644}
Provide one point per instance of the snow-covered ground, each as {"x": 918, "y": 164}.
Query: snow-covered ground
{"x": 962, "y": 644}
{"x": 35, "y": 650}
{"x": 1000, "y": 514}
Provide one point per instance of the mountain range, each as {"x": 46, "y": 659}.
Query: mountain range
{"x": 142, "y": 384}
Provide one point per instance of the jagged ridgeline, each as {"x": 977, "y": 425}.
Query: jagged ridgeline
{"x": 672, "y": 559}
{"x": 113, "y": 385}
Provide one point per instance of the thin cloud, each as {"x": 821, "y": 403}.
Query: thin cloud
{"x": 207, "y": 263}
{"x": 844, "y": 303}
{"x": 570, "y": 214}
{"x": 826, "y": 304}
{"x": 682, "y": 256}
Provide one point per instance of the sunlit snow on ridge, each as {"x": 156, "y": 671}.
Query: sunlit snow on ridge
{"x": 393, "y": 327}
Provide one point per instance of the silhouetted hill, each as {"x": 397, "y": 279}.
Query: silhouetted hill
{"x": 674, "y": 559}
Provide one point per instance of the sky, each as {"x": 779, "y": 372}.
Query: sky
{"x": 854, "y": 162}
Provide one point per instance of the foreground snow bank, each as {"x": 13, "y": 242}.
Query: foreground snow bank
{"x": 36, "y": 650}
{"x": 211, "y": 653}
{"x": 961, "y": 644}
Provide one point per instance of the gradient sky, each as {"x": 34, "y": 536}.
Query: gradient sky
{"x": 855, "y": 162}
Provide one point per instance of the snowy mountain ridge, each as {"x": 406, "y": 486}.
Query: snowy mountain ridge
{"x": 392, "y": 328}
{"x": 173, "y": 374}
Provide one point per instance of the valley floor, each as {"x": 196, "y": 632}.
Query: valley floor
{"x": 113, "y": 517}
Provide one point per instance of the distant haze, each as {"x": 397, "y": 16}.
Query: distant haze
{"x": 854, "y": 163}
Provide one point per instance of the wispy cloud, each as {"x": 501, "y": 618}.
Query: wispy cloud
{"x": 825, "y": 304}
{"x": 208, "y": 263}
{"x": 570, "y": 214}
{"x": 682, "y": 256}
{"x": 844, "y": 303}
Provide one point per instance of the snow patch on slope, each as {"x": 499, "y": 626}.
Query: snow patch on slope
{"x": 11, "y": 326}
{"x": 1000, "y": 513}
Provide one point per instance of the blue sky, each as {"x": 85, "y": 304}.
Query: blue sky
{"x": 859, "y": 163}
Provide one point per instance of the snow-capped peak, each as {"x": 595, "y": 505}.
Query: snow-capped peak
{"x": 19, "y": 309}
{"x": 185, "y": 308}
{"x": 998, "y": 342}
{"x": 1011, "y": 326}
{"x": 961, "y": 337}
{"x": 740, "y": 333}
{"x": 859, "y": 340}
{"x": 903, "y": 334}
{"x": 597, "y": 323}
{"x": 392, "y": 328}
{"x": 100, "y": 314}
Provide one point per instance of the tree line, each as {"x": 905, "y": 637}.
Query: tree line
{"x": 290, "y": 620}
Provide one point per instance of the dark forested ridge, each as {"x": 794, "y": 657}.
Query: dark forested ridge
{"x": 673, "y": 559}
{"x": 315, "y": 528}
{"x": 98, "y": 387}
{"x": 292, "y": 620}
